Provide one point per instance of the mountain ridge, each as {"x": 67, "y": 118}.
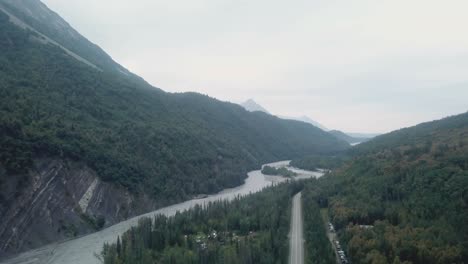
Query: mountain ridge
{"x": 49, "y": 24}
{"x": 306, "y": 119}
{"x": 401, "y": 197}
{"x": 139, "y": 142}
{"x": 346, "y": 137}
{"x": 252, "y": 106}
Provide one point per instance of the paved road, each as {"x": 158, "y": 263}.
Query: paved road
{"x": 82, "y": 250}
{"x": 296, "y": 243}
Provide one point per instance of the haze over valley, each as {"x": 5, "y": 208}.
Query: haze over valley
{"x": 97, "y": 165}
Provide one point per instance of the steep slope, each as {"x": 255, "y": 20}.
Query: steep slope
{"x": 410, "y": 189}
{"x": 308, "y": 120}
{"x": 252, "y": 106}
{"x": 36, "y": 16}
{"x": 84, "y": 146}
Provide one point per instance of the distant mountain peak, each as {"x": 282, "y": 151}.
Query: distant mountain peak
{"x": 252, "y": 106}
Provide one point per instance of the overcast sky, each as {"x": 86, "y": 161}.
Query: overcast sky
{"x": 357, "y": 66}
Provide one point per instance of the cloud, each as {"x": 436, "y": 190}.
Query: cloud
{"x": 348, "y": 64}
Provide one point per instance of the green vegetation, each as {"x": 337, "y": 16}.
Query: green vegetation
{"x": 48, "y": 24}
{"x": 412, "y": 187}
{"x": 314, "y": 162}
{"x": 169, "y": 146}
{"x": 97, "y": 223}
{"x": 253, "y": 229}
{"x": 341, "y": 135}
{"x": 268, "y": 170}
{"x": 317, "y": 246}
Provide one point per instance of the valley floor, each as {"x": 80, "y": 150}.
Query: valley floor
{"x": 85, "y": 249}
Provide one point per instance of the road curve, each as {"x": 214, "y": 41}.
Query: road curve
{"x": 296, "y": 242}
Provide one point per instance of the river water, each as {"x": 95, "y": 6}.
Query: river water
{"x": 83, "y": 250}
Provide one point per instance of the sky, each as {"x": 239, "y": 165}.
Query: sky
{"x": 357, "y": 66}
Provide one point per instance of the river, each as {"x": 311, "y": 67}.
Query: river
{"x": 83, "y": 250}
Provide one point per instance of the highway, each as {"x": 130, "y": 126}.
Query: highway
{"x": 296, "y": 243}
{"x": 83, "y": 250}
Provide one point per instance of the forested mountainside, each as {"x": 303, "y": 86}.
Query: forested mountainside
{"x": 65, "y": 102}
{"x": 315, "y": 162}
{"x": 350, "y": 139}
{"x": 54, "y": 106}
{"x": 403, "y": 197}
{"x": 36, "y": 16}
{"x": 252, "y": 229}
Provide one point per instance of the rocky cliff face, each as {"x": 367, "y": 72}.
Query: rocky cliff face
{"x": 60, "y": 199}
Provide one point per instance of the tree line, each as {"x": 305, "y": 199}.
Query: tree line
{"x": 403, "y": 197}
{"x": 268, "y": 170}
{"x": 167, "y": 146}
{"x": 251, "y": 229}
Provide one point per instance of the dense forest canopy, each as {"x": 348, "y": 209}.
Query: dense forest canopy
{"x": 318, "y": 249}
{"x": 170, "y": 146}
{"x": 403, "y": 197}
{"x": 253, "y": 229}
{"x": 314, "y": 162}
{"x": 399, "y": 198}
{"x": 268, "y": 170}
{"x": 49, "y": 23}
